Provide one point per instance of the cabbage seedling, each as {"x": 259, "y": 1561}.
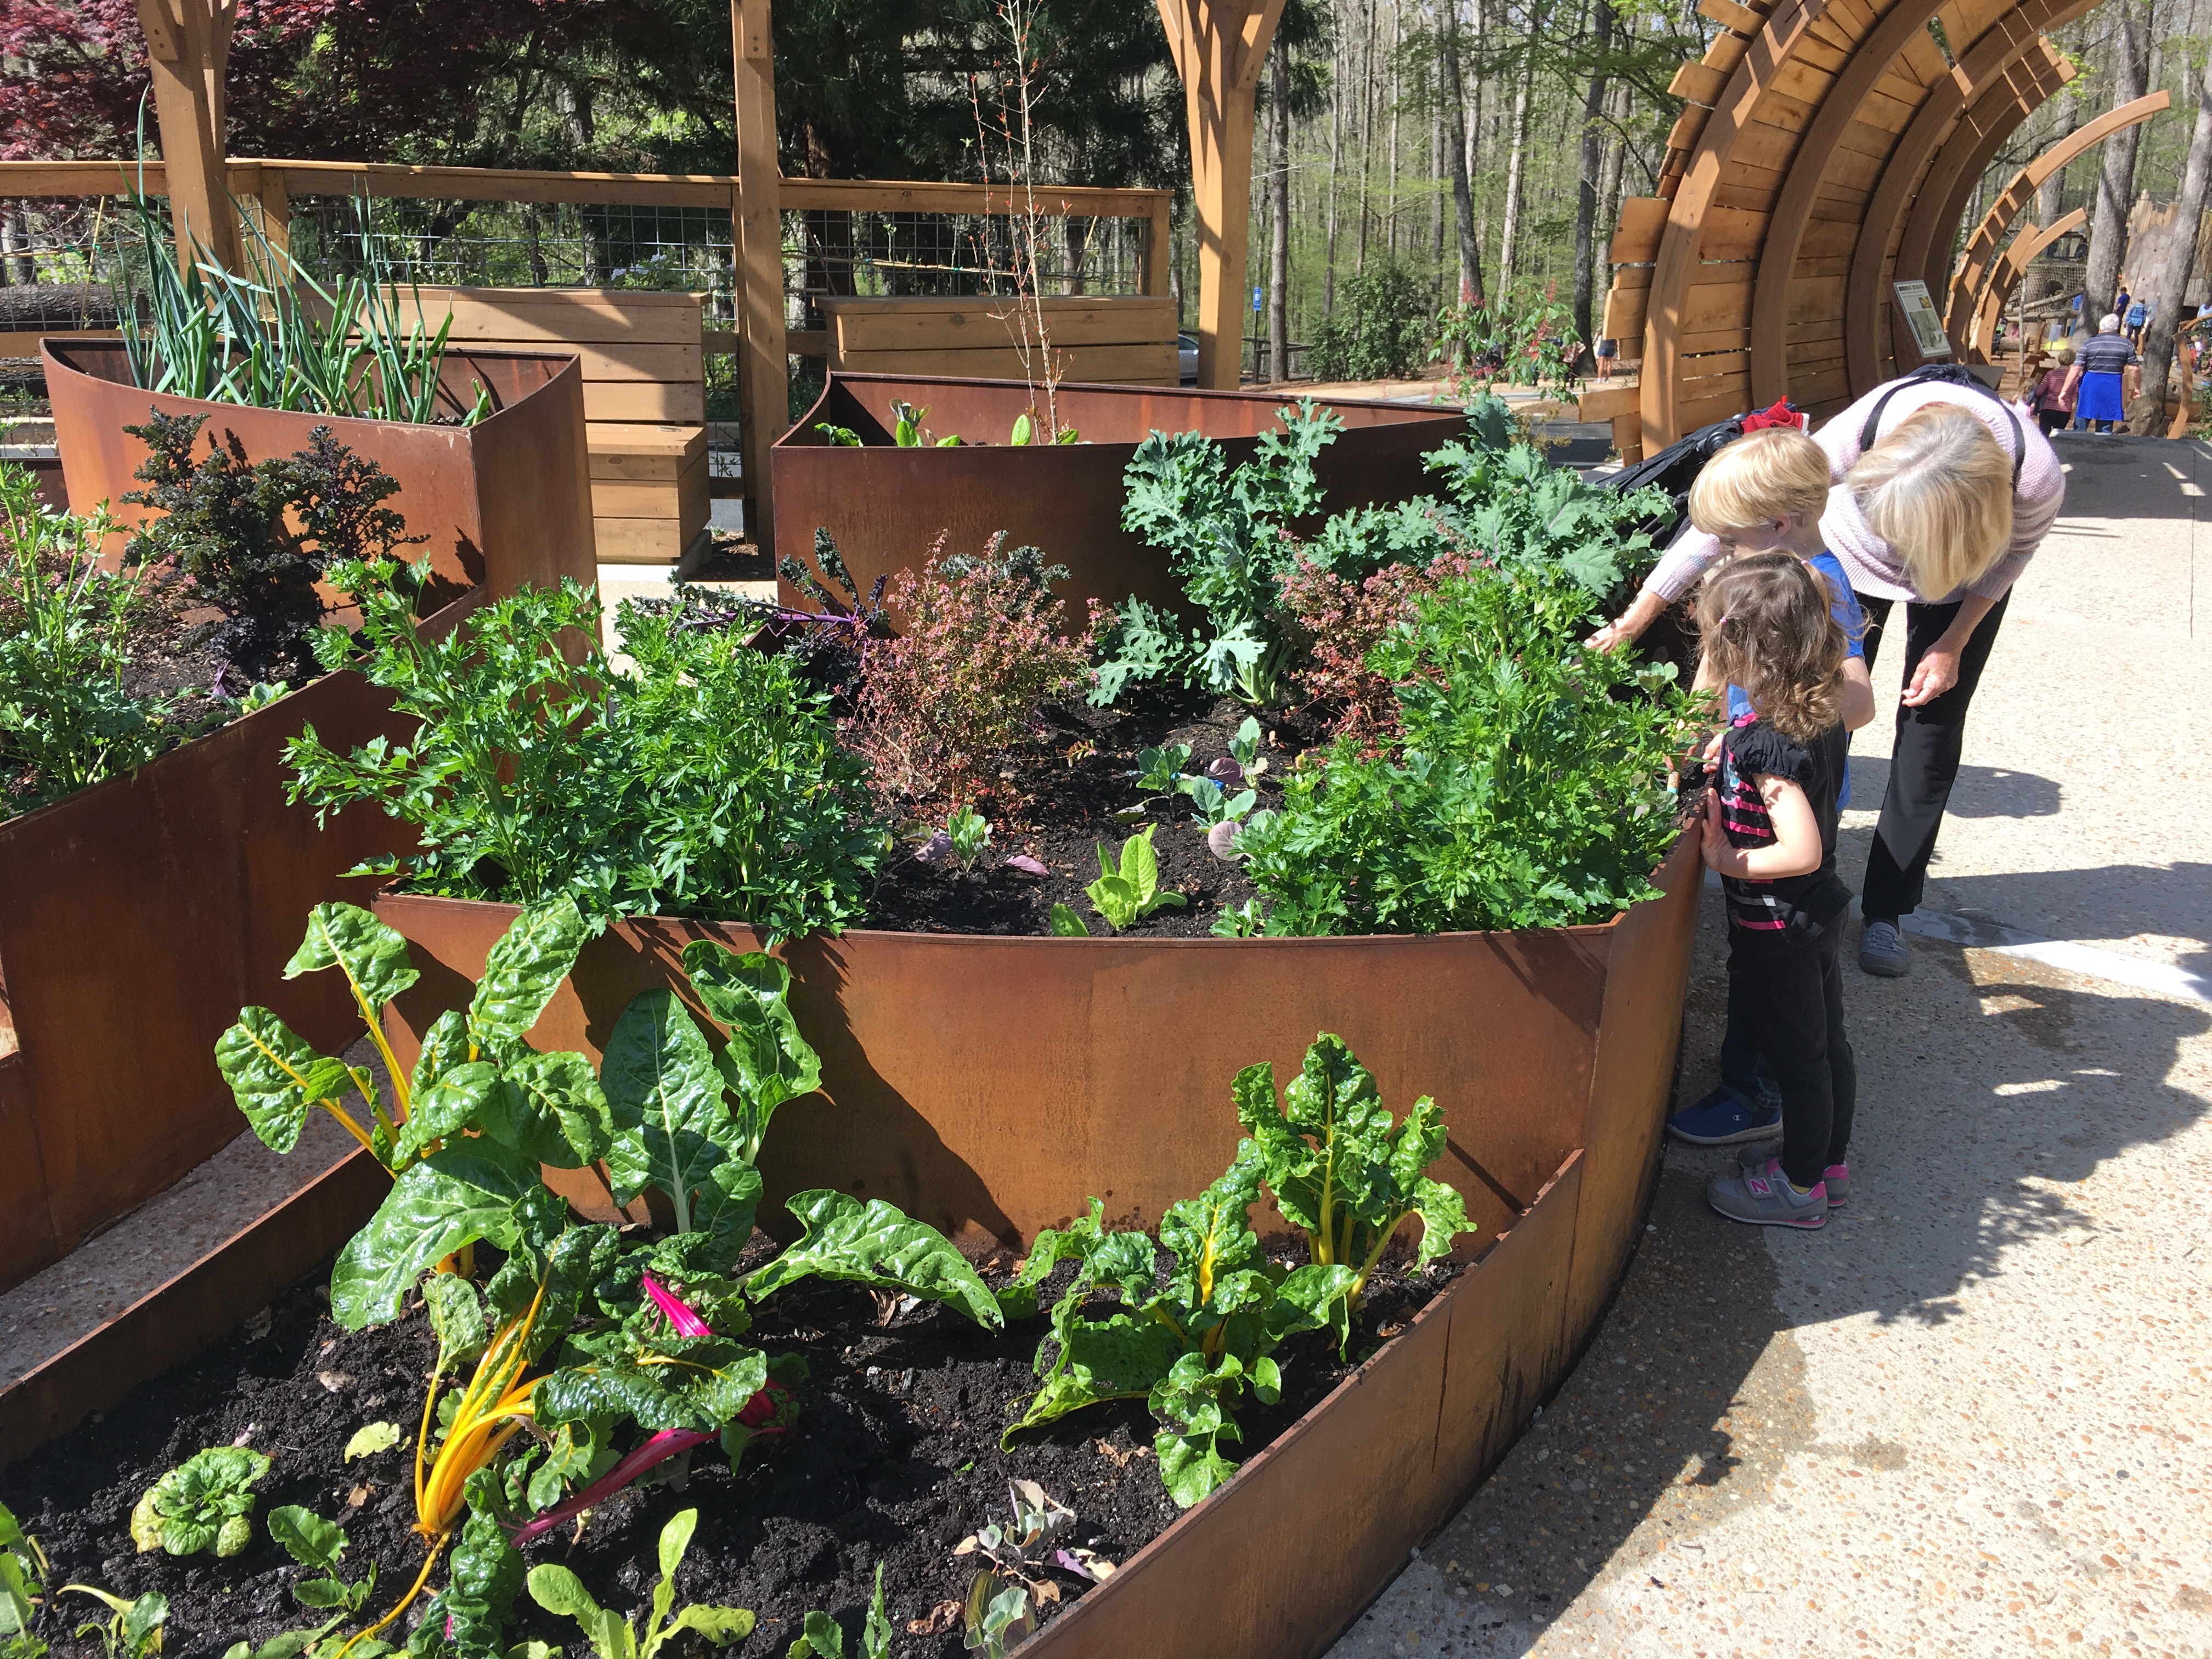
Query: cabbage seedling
{"x": 1214, "y": 803}
{"x": 1130, "y": 892}
{"x": 1159, "y": 770}
{"x": 1244, "y": 749}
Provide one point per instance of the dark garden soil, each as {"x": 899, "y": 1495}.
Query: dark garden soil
{"x": 1070, "y": 793}
{"x": 894, "y": 1458}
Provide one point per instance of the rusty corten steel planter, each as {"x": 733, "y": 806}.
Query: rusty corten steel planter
{"x": 135, "y": 918}
{"x": 505, "y": 501}
{"x": 1075, "y": 1067}
{"x": 884, "y": 506}
{"x": 1553, "y": 1072}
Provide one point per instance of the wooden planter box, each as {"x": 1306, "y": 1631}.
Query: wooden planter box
{"x": 503, "y": 502}
{"x": 884, "y": 506}
{"x": 1551, "y": 1051}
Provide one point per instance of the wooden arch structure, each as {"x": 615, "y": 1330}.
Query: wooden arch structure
{"x": 2004, "y": 277}
{"x": 1828, "y": 147}
{"x": 1981, "y": 247}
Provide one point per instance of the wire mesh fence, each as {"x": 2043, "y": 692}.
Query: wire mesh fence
{"x": 831, "y": 253}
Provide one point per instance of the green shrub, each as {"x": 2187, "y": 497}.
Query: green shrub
{"x": 1527, "y": 786}
{"x": 706, "y": 783}
{"x": 66, "y": 721}
{"x": 1384, "y": 326}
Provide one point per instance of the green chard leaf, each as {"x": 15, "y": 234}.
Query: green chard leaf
{"x": 476, "y": 1190}
{"x": 671, "y": 1130}
{"x": 307, "y": 1537}
{"x": 524, "y": 968}
{"x": 445, "y": 1046}
{"x": 275, "y": 1078}
{"x": 550, "y": 1107}
{"x": 697, "y": 1382}
{"x": 449, "y": 1107}
{"x": 457, "y": 1316}
{"x": 766, "y": 1060}
{"x": 370, "y": 953}
{"x": 876, "y": 1243}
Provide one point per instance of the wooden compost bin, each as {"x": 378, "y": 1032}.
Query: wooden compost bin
{"x": 503, "y": 502}
{"x": 884, "y": 506}
{"x": 991, "y": 1084}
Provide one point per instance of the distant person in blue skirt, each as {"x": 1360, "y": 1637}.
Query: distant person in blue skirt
{"x": 2106, "y": 373}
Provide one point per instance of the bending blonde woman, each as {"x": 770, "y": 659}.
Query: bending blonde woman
{"x": 1929, "y": 514}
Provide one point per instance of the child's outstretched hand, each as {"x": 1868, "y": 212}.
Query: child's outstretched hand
{"x": 1719, "y": 855}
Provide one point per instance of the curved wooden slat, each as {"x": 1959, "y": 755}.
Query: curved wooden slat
{"x": 1981, "y": 246}
{"x": 2010, "y": 267}
{"x": 1801, "y": 187}
{"x": 1678, "y": 243}
{"x": 2019, "y": 90}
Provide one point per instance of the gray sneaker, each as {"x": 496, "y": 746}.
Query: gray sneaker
{"x": 1881, "y": 951}
{"x": 1837, "y": 1177}
{"x": 1765, "y": 1198}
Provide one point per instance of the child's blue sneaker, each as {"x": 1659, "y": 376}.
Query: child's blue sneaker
{"x": 1724, "y": 1117}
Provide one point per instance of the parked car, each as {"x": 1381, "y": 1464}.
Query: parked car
{"x": 1187, "y": 357}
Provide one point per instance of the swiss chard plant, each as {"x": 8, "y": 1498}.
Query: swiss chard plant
{"x": 821, "y": 1636}
{"x": 317, "y": 1544}
{"x": 1341, "y": 1171}
{"x": 1190, "y": 1349}
{"x": 584, "y": 1337}
{"x": 24, "y": 1571}
{"x": 1223, "y": 531}
{"x": 132, "y": 1629}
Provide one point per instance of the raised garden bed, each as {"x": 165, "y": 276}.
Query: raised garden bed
{"x": 504, "y": 501}
{"x": 883, "y": 506}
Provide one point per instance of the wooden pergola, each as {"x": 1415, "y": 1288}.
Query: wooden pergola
{"x": 1828, "y": 149}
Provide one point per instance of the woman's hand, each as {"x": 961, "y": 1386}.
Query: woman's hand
{"x": 1936, "y": 673}
{"x": 1630, "y": 624}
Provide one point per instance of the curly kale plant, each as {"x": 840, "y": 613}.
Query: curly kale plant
{"x": 1223, "y": 532}
{"x": 1190, "y": 1350}
{"x": 1526, "y": 786}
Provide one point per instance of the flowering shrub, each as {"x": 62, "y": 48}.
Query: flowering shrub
{"x": 983, "y": 648}
{"x": 1341, "y": 620}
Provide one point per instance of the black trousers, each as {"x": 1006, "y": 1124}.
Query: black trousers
{"x": 1790, "y": 987}
{"x": 1923, "y": 758}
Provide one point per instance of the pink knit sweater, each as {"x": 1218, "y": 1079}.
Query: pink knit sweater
{"x": 1873, "y": 567}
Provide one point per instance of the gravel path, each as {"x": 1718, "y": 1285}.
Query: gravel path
{"x": 1974, "y": 1417}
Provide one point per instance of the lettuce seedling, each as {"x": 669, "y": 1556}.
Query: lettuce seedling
{"x": 1189, "y": 1350}
{"x": 23, "y": 1572}
{"x": 135, "y": 1629}
{"x": 843, "y": 435}
{"x": 316, "y": 1544}
{"x": 967, "y": 833}
{"x": 557, "y": 1589}
{"x": 1125, "y": 894}
{"x": 821, "y": 1637}
{"x": 1342, "y": 1170}
{"x": 1065, "y": 924}
{"x": 204, "y": 1502}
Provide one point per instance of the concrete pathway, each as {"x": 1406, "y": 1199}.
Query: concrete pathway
{"x": 1974, "y": 1416}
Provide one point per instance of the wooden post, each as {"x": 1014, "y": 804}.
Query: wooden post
{"x": 188, "y": 50}
{"x": 1218, "y": 46}
{"x": 764, "y": 363}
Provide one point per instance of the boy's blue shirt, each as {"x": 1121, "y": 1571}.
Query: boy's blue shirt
{"x": 1846, "y": 610}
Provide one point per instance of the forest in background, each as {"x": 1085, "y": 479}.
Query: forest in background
{"x": 1410, "y": 152}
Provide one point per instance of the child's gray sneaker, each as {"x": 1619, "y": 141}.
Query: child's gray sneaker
{"x": 1837, "y": 1177}
{"x": 1881, "y": 951}
{"x": 1765, "y": 1198}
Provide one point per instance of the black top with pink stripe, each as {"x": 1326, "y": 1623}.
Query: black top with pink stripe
{"x": 1754, "y": 750}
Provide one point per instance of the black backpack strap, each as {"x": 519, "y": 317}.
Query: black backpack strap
{"x": 1948, "y": 374}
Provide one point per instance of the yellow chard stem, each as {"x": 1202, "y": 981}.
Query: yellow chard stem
{"x": 345, "y": 1118}
{"x": 405, "y": 1601}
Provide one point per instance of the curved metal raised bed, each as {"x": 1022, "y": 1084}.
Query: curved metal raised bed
{"x": 991, "y": 1083}
{"x": 504, "y": 501}
{"x": 884, "y": 506}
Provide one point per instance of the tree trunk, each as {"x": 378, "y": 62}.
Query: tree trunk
{"x": 1366, "y": 131}
{"x": 1586, "y": 188}
{"x": 1437, "y": 170}
{"x": 1514, "y": 168}
{"x": 1470, "y": 251}
{"x": 1390, "y": 209}
{"x": 2167, "y": 284}
{"x": 2108, "y": 227}
{"x": 1279, "y": 189}
{"x": 1335, "y": 160}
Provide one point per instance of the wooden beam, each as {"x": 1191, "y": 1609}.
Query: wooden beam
{"x": 1981, "y": 246}
{"x": 2025, "y": 249}
{"x": 188, "y": 50}
{"x": 763, "y": 366}
{"x": 1218, "y": 46}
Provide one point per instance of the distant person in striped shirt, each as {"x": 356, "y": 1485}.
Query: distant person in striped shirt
{"x": 2106, "y": 377}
